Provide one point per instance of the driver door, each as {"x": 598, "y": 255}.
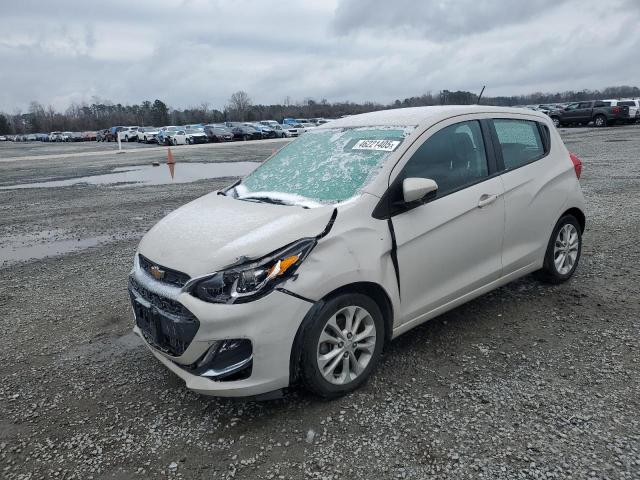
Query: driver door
{"x": 451, "y": 245}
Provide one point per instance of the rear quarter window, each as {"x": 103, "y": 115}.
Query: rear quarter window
{"x": 520, "y": 142}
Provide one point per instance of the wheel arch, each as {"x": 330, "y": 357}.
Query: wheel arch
{"x": 371, "y": 289}
{"x": 579, "y": 215}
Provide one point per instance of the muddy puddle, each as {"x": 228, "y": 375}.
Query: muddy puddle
{"x": 35, "y": 247}
{"x": 151, "y": 175}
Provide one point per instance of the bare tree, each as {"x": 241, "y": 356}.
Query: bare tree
{"x": 239, "y": 104}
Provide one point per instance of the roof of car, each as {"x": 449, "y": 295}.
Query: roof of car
{"x": 419, "y": 115}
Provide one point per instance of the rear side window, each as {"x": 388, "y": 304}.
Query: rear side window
{"x": 454, "y": 157}
{"x": 520, "y": 142}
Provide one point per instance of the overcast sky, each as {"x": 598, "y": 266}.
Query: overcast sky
{"x": 193, "y": 51}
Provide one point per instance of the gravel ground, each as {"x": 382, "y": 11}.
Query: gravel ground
{"x": 529, "y": 382}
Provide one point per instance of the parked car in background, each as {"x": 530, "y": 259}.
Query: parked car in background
{"x": 318, "y": 121}
{"x": 129, "y": 134}
{"x": 595, "y": 111}
{"x": 293, "y": 130}
{"x": 55, "y": 136}
{"x": 218, "y": 133}
{"x": 634, "y": 107}
{"x": 243, "y": 132}
{"x": 175, "y": 137}
{"x": 66, "y": 136}
{"x": 186, "y": 136}
{"x": 76, "y": 137}
{"x": 148, "y": 134}
{"x": 269, "y": 123}
{"x": 280, "y": 130}
{"x": 196, "y": 135}
{"x": 115, "y": 131}
{"x": 104, "y": 135}
{"x": 3, "y": 138}
{"x": 89, "y": 135}
{"x": 267, "y": 132}
{"x": 165, "y": 132}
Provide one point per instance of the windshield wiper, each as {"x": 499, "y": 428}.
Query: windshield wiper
{"x": 274, "y": 201}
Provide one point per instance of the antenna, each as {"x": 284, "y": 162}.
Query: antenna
{"x": 480, "y": 96}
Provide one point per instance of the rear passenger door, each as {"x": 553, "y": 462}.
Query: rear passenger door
{"x": 533, "y": 192}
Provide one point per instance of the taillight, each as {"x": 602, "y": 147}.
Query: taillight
{"x": 615, "y": 109}
{"x": 577, "y": 164}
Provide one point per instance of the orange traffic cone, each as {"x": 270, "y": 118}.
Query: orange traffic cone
{"x": 171, "y": 163}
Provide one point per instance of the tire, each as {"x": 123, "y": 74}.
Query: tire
{"x": 600, "y": 121}
{"x": 175, "y": 142}
{"x": 361, "y": 361}
{"x": 561, "y": 241}
{"x": 556, "y": 122}
{"x": 245, "y": 138}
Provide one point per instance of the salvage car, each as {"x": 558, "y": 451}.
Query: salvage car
{"x": 243, "y": 132}
{"x": 266, "y": 131}
{"x": 218, "y": 133}
{"x": 148, "y": 134}
{"x": 165, "y": 132}
{"x": 350, "y": 236}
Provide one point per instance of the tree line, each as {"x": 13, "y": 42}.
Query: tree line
{"x": 104, "y": 114}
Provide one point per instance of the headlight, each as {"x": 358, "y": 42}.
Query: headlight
{"x": 250, "y": 281}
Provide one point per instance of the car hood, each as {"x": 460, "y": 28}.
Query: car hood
{"x": 215, "y": 231}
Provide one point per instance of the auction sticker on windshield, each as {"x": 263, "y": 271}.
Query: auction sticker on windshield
{"x": 379, "y": 145}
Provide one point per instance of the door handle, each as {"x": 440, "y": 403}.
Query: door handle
{"x": 486, "y": 199}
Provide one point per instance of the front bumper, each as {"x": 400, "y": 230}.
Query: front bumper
{"x": 270, "y": 324}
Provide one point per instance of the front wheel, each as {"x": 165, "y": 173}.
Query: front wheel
{"x": 563, "y": 251}
{"x": 341, "y": 345}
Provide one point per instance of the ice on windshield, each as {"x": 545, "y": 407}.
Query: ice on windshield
{"x": 326, "y": 165}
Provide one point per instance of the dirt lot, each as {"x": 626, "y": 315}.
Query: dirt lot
{"x": 528, "y": 382}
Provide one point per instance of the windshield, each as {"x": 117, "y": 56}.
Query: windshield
{"x": 325, "y": 166}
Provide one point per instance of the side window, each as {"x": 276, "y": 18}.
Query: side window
{"x": 585, "y": 105}
{"x": 453, "y": 157}
{"x": 520, "y": 142}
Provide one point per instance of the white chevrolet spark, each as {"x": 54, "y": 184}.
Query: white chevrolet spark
{"x": 350, "y": 236}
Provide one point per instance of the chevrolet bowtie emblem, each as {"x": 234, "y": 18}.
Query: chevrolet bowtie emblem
{"x": 157, "y": 273}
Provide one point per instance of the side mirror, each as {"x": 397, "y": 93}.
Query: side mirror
{"x": 414, "y": 189}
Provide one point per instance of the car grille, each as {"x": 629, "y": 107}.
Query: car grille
{"x": 170, "y": 276}
{"x": 165, "y": 324}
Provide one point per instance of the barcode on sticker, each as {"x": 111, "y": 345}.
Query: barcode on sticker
{"x": 381, "y": 145}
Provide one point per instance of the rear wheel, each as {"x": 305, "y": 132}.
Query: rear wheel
{"x": 341, "y": 346}
{"x": 600, "y": 121}
{"x": 563, "y": 251}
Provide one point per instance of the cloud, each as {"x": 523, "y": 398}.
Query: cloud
{"x": 189, "y": 52}
{"x": 439, "y": 20}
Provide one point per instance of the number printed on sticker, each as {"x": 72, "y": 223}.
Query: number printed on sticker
{"x": 381, "y": 145}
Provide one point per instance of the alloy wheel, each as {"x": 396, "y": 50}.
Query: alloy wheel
{"x": 565, "y": 251}
{"x": 346, "y": 345}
